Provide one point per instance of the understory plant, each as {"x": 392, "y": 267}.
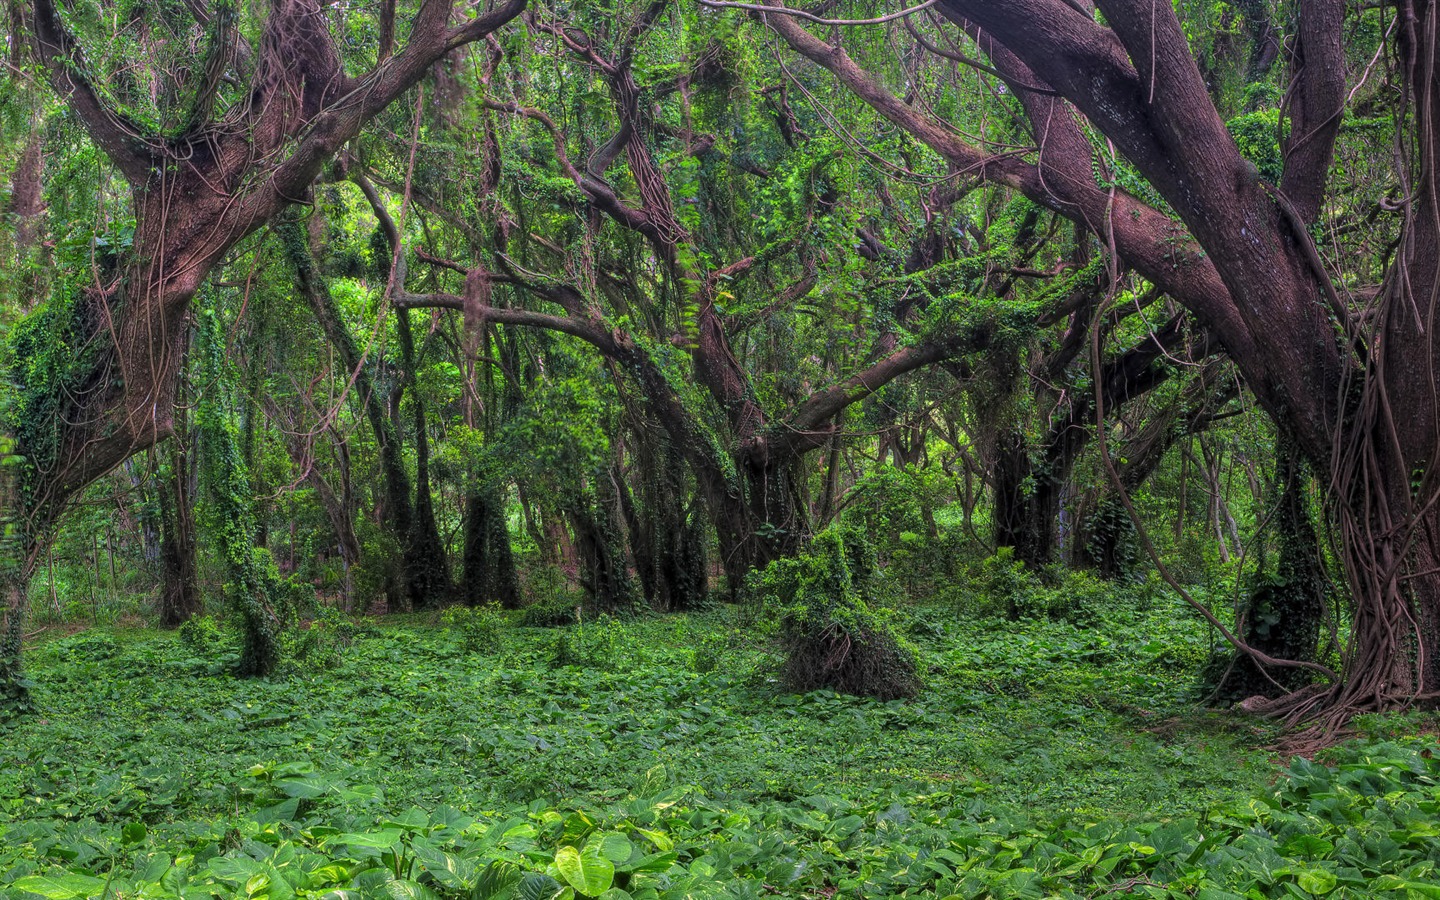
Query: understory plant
{"x": 480, "y": 628}
{"x": 829, "y": 629}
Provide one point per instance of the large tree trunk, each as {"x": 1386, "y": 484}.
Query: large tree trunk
{"x": 427, "y": 570}
{"x": 489, "y": 566}
{"x": 600, "y": 547}
{"x": 179, "y": 590}
{"x": 1026, "y": 507}
{"x": 667, "y": 538}
{"x": 18, "y": 553}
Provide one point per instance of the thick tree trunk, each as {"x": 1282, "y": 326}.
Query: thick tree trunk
{"x": 179, "y": 590}
{"x": 1026, "y": 504}
{"x": 18, "y": 552}
{"x": 27, "y": 190}
{"x": 600, "y": 548}
{"x": 672, "y": 537}
{"x": 426, "y": 569}
{"x": 489, "y": 566}
{"x": 779, "y": 524}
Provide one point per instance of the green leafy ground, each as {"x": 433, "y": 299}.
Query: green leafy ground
{"x": 1044, "y": 760}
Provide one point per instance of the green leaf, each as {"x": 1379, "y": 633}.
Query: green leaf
{"x": 1317, "y": 881}
{"x": 448, "y": 869}
{"x": 497, "y": 881}
{"x": 655, "y": 862}
{"x": 380, "y": 840}
{"x": 61, "y": 887}
{"x": 615, "y": 847}
{"x": 535, "y": 886}
{"x": 409, "y": 890}
{"x": 587, "y": 871}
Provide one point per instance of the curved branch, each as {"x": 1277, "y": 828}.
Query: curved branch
{"x": 811, "y": 17}
{"x": 123, "y": 141}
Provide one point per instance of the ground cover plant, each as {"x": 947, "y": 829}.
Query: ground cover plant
{"x": 639, "y": 448}
{"x": 1051, "y": 761}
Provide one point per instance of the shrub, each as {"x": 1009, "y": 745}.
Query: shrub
{"x": 594, "y": 646}
{"x": 553, "y": 599}
{"x": 481, "y": 628}
{"x": 551, "y": 612}
{"x": 1007, "y": 586}
{"x": 324, "y": 643}
{"x": 830, "y": 635}
{"x": 709, "y": 653}
{"x": 202, "y": 636}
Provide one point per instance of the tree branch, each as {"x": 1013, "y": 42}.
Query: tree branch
{"x": 123, "y": 141}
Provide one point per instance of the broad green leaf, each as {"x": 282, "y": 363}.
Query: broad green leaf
{"x": 587, "y": 870}
{"x": 655, "y": 862}
{"x": 1317, "y": 881}
{"x": 409, "y": 890}
{"x": 450, "y": 870}
{"x": 497, "y": 880}
{"x": 536, "y": 886}
{"x": 380, "y": 840}
{"x": 68, "y": 886}
{"x": 615, "y": 847}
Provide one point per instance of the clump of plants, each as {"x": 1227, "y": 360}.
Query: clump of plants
{"x": 709, "y": 652}
{"x": 326, "y": 640}
{"x": 553, "y": 600}
{"x": 1007, "y": 588}
{"x": 593, "y": 645}
{"x": 481, "y": 629}
{"x": 829, "y": 629}
{"x": 202, "y": 636}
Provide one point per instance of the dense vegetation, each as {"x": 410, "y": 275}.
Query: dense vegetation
{"x": 1071, "y": 765}
{"x": 683, "y": 448}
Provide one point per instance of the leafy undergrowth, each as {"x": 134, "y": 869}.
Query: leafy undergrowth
{"x": 1043, "y": 760}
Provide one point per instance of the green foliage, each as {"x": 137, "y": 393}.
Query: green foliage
{"x": 201, "y": 635}
{"x": 553, "y": 600}
{"x": 551, "y": 612}
{"x": 481, "y": 629}
{"x": 324, "y": 641}
{"x": 1008, "y": 588}
{"x": 1043, "y": 784}
{"x": 596, "y": 644}
{"x": 711, "y": 651}
{"x": 253, "y": 584}
{"x": 1007, "y": 584}
{"x": 829, "y": 631}
{"x": 1257, "y": 135}
{"x": 44, "y": 361}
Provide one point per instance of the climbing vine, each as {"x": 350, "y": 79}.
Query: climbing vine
{"x": 253, "y": 585}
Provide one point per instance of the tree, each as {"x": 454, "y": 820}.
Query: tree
{"x": 1235, "y": 248}
{"x": 249, "y": 128}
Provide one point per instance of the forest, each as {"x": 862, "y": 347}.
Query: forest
{"x": 565, "y": 449}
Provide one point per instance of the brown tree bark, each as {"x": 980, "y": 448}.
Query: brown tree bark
{"x": 179, "y": 591}
{"x": 196, "y": 195}
{"x": 489, "y": 574}
{"x": 1245, "y": 266}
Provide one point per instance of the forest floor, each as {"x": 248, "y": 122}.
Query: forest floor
{"x": 658, "y": 758}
